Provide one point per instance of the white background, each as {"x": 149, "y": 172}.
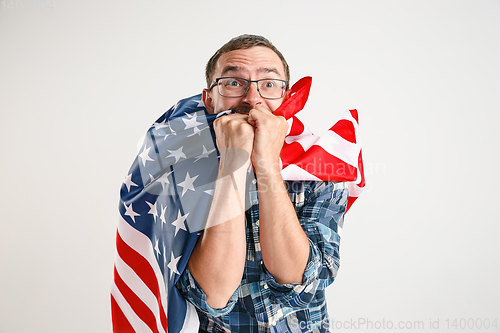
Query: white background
{"x": 81, "y": 82}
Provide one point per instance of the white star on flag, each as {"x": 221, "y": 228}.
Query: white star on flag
{"x": 130, "y": 212}
{"x": 153, "y": 210}
{"x": 191, "y": 122}
{"x": 162, "y": 216}
{"x": 198, "y": 131}
{"x": 187, "y": 184}
{"x": 179, "y": 223}
{"x": 172, "y": 132}
{"x": 157, "y": 249}
{"x": 173, "y": 264}
{"x": 161, "y": 125}
{"x": 163, "y": 180}
{"x": 145, "y": 155}
{"x": 176, "y": 106}
{"x": 128, "y": 182}
{"x": 164, "y": 251}
{"x": 200, "y": 103}
{"x": 204, "y": 154}
{"x": 178, "y": 154}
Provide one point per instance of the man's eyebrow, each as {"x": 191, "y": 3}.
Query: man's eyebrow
{"x": 231, "y": 69}
{"x": 240, "y": 69}
{"x": 268, "y": 70}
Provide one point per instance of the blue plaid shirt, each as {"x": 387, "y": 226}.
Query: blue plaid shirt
{"x": 260, "y": 304}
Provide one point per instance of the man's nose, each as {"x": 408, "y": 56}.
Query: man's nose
{"x": 252, "y": 97}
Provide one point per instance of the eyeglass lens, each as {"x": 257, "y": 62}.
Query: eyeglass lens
{"x": 236, "y": 87}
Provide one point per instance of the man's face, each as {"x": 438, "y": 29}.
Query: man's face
{"x": 255, "y": 63}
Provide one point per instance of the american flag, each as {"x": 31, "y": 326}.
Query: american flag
{"x": 166, "y": 196}
{"x": 335, "y": 156}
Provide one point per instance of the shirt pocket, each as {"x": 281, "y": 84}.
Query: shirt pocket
{"x": 296, "y": 322}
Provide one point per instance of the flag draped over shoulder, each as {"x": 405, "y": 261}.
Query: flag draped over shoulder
{"x": 166, "y": 197}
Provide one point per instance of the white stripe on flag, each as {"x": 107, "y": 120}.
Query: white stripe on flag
{"x": 141, "y": 243}
{"x": 137, "y": 324}
{"x": 134, "y": 282}
{"x": 293, "y": 172}
{"x": 339, "y": 147}
{"x": 306, "y": 141}
{"x": 354, "y": 190}
{"x": 358, "y": 176}
{"x": 348, "y": 116}
{"x": 191, "y": 322}
{"x": 306, "y": 138}
{"x": 290, "y": 122}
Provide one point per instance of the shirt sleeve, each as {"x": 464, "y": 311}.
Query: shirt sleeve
{"x": 192, "y": 292}
{"x": 320, "y": 208}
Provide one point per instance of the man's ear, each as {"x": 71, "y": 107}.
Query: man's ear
{"x": 208, "y": 101}
{"x": 288, "y": 93}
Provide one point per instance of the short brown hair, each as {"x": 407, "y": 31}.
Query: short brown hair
{"x": 239, "y": 43}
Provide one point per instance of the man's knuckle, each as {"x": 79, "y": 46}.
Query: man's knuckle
{"x": 233, "y": 125}
{"x": 246, "y": 129}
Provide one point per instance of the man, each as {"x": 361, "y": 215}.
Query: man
{"x": 264, "y": 269}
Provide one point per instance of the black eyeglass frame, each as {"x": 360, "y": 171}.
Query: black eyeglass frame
{"x": 216, "y": 83}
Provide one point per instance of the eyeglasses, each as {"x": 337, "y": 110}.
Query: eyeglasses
{"x": 237, "y": 87}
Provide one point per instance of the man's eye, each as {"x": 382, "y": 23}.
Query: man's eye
{"x": 233, "y": 83}
{"x": 269, "y": 84}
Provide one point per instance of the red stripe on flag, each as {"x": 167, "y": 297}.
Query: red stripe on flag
{"x": 143, "y": 269}
{"x": 325, "y": 166}
{"x": 345, "y": 129}
{"x": 290, "y": 152}
{"x": 297, "y": 127}
{"x": 350, "y": 201}
{"x": 120, "y": 322}
{"x": 297, "y": 100}
{"x": 354, "y": 114}
{"x": 361, "y": 170}
{"x": 141, "y": 310}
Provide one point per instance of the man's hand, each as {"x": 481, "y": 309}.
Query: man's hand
{"x": 270, "y": 132}
{"x": 234, "y": 131}
{"x": 235, "y": 140}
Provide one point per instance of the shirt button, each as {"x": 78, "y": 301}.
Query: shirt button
{"x": 265, "y": 286}
{"x": 257, "y": 222}
{"x": 254, "y": 181}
